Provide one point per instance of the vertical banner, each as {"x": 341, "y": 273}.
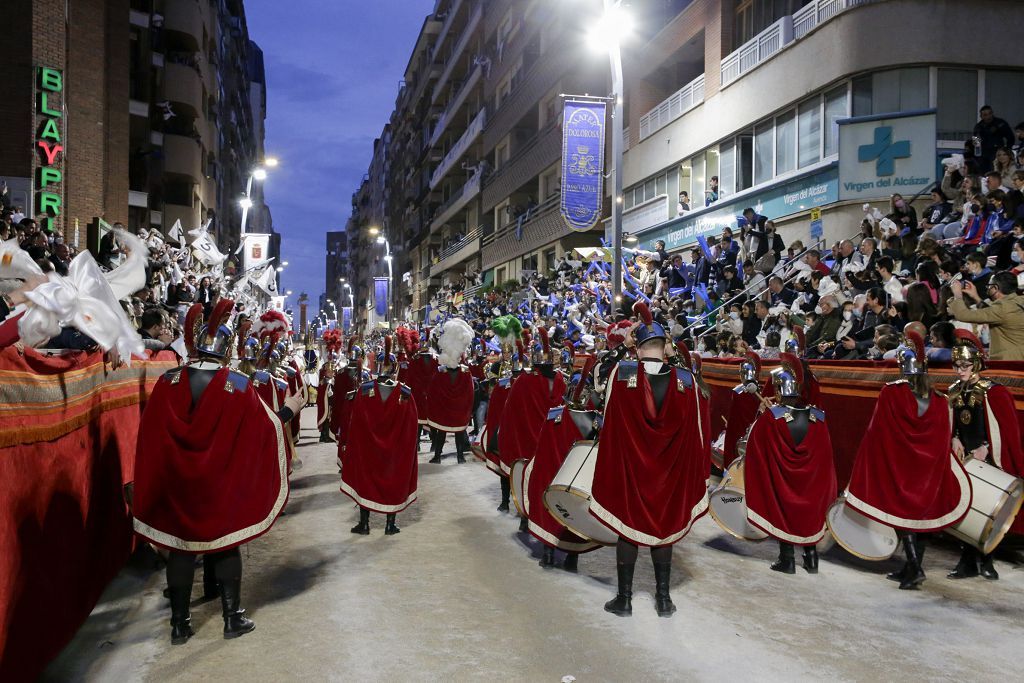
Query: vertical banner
{"x": 257, "y": 249}
{"x": 346, "y": 318}
{"x": 380, "y": 296}
{"x": 582, "y": 163}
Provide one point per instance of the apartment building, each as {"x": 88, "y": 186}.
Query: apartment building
{"x": 337, "y": 270}
{"x": 752, "y": 91}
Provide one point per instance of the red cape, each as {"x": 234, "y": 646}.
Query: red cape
{"x": 295, "y": 385}
{"x": 905, "y": 474}
{"x": 556, "y": 438}
{"x": 345, "y": 380}
{"x": 210, "y": 477}
{"x": 379, "y": 466}
{"x": 450, "y": 400}
{"x": 789, "y": 488}
{"x": 650, "y": 481}
{"x": 322, "y": 405}
{"x": 1004, "y": 437}
{"x": 524, "y": 414}
{"x": 742, "y": 413}
{"x": 495, "y": 407}
{"x": 417, "y": 375}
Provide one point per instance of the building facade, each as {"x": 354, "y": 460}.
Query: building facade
{"x": 337, "y": 269}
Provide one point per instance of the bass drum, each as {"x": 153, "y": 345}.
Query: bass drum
{"x": 995, "y": 501}
{"x": 861, "y": 536}
{"x": 515, "y": 480}
{"x": 729, "y": 508}
{"x": 569, "y": 495}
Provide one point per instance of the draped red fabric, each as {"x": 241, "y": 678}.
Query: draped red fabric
{"x": 321, "y": 399}
{"x": 477, "y": 371}
{"x": 209, "y": 476}
{"x": 1010, "y": 457}
{"x": 450, "y": 400}
{"x": 526, "y": 408}
{"x": 417, "y": 376}
{"x": 789, "y": 487}
{"x": 556, "y": 438}
{"x": 495, "y": 407}
{"x": 742, "y": 413}
{"x": 9, "y": 331}
{"x": 345, "y": 381}
{"x": 650, "y": 481}
{"x": 905, "y": 475}
{"x": 295, "y": 384}
{"x": 379, "y": 465}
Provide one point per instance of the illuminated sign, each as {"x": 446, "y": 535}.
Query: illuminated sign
{"x": 50, "y": 143}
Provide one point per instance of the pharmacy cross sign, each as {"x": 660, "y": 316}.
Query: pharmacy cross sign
{"x": 884, "y": 152}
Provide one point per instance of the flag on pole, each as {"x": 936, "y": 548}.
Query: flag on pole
{"x": 206, "y": 251}
{"x": 177, "y": 233}
{"x": 267, "y": 281}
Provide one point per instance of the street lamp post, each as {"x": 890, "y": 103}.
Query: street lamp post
{"x": 259, "y": 173}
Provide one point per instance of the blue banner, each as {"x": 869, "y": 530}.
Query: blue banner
{"x": 582, "y": 163}
{"x": 346, "y": 318}
{"x": 380, "y": 296}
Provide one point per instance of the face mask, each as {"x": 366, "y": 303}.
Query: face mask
{"x": 1015, "y": 257}
{"x": 847, "y": 315}
{"x": 734, "y": 315}
{"x": 817, "y": 310}
{"x": 900, "y": 204}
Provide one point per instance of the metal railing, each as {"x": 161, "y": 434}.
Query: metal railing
{"x": 757, "y": 50}
{"x": 674, "y": 106}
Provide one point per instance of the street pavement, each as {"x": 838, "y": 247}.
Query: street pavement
{"x": 458, "y": 595}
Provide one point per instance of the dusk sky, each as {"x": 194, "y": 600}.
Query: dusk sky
{"x": 333, "y": 72}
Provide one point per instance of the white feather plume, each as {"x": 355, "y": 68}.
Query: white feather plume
{"x": 455, "y": 339}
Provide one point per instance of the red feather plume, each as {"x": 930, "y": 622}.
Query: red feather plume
{"x": 542, "y": 332}
{"x": 387, "y": 347}
{"x": 193, "y": 319}
{"x": 588, "y": 367}
{"x": 642, "y": 311}
{"x": 243, "y": 335}
{"x": 915, "y": 339}
{"x": 969, "y": 337}
{"x": 798, "y": 332}
{"x": 794, "y": 365}
{"x": 684, "y": 352}
{"x": 220, "y": 314}
{"x": 755, "y": 360}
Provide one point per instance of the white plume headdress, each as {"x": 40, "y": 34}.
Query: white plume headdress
{"x": 456, "y": 336}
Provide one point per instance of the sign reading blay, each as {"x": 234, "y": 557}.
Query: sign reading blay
{"x": 886, "y": 154}
{"x": 50, "y": 144}
{"x": 582, "y": 163}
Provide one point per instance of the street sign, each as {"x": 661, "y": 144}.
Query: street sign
{"x": 816, "y": 228}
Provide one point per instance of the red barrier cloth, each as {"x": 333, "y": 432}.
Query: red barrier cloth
{"x": 742, "y": 414}
{"x": 524, "y": 413}
{"x": 650, "y": 481}
{"x": 905, "y": 474}
{"x": 557, "y": 436}
{"x": 379, "y": 468}
{"x": 789, "y": 487}
{"x": 450, "y": 400}
{"x": 495, "y": 408}
{"x": 67, "y": 445}
{"x": 208, "y": 476}
{"x": 417, "y": 375}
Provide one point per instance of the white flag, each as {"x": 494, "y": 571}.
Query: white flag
{"x": 206, "y": 251}
{"x": 268, "y": 281}
{"x": 177, "y": 233}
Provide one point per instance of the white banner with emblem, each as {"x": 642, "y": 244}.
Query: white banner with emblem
{"x": 257, "y": 249}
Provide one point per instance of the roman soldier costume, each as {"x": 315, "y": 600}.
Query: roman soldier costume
{"x": 211, "y": 468}
{"x": 904, "y": 474}
{"x": 332, "y": 347}
{"x": 507, "y": 329}
{"x": 746, "y": 403}
{"x": 379, "y": 467}
{"x": 985, "y": 427}
{"x": 449, "y": 406}
{"x": 653, "y": 462}
{"x": 346, "y": 380}
{"x": 419, "y": 373}
{"x": 789, "y": 472}
{"x": 565, "y": 425}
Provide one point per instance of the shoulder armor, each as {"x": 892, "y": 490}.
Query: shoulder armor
{"x": 290, "y": 371}
{"x": 173, "y": 376}
{"x": 896, "y": 381}
{"x": 505, "y": 382}
{"x": 555, "y": 413}
{"x": 779, "y": 412}
{"x": 366, "y": 387}
{"x": 684, "y": 378}
{"x": 405, "y": 389}
{"x": 240, "y": 381}
{"x": 280, "y": 383}
{"x": 817, "y": 414}
{"x": 350, "y": 396}
{"x": 985, "y": 383}
{"x": 627, "y": 372}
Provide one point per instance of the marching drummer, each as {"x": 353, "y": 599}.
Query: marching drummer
{"x": 789, "y": 471}
{"x": 985, "y": 428}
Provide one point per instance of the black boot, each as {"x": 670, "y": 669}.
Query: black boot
{"x": 436, "y": 460}
{"x": 662, "y": 600}
{"x": 363, "y": 528}
{"x": 390, "y": 528}
{"x": 987, "y": 570}
{"x": 811, "y": 559}
{"x": 325, "y": 435}
{"x": 900, "y": 573}
{"x": 547, "y": 560}
{"x": 210, "y": 588}
{"x": 460, "y": 457}
{"x": 524, "y": 525}
{"x": 505, "y": 491}
{"x": 181, "y": 619}
{"x": 572, "y": 562}
{"x": 437, "y": 444}
{"x": 967, "y": 567}
{"x": 235, "y": 622}
{"x": 461, "y": 446}
{"x": 914, "y": 549}
{"x": 786, "y": 562}
{"x": 622, "y": 604}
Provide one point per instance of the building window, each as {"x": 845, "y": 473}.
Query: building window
{"x": 957, "y": 109}
{"x": 646, "y": 191}
{"x": 1004, "y": 92}
{"x": 685, "y": 181}
{"x": 763, "y": 152}
{"x": 835, "y": 109}
{"x": 886, "y": 92}
{"x": 698, "y": 181}
{"x": 809, "y": 130}
{"x": 711, "y": 166}
{"x": 727, "y": 168}
{"x": 549, "y": 260}
{"x": 785, "y": 143}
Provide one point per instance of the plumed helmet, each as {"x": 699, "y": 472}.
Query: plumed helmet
{"x": 750, "y": 368}
{"x": 582, "y": 382}
{"x": 212, "y": 337}
{"x": 910, "y": 354}
{"x": 540, "y": 352}
{"x": 648, "y": 329}
{"x": 788, "y": 378}
{"x": 617, "y": 334}
{"x": 387, "y": 363}
{"x": 249, "y": 350}
{"x": 968, "y": 349}
{"x": 796, "y": 343}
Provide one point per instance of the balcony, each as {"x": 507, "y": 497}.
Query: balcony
{"x": 757, "y": 50}
{"x": 456, "y": 253}
{"x": 455, "y": 104}
{"x": 809, "y": 17}
{"x": 526, "y": 164}
{"x": 460, "y": 46}
{"x": 674, "y": 106}
{"x": 182, "y": 85}
{"x": 183, "y": 156}
{"x": 449, "y": 21}
{"x": 456, "y": 202}
{"x": 185, "y": 18}
{"x": 543, "y": 225}
{"x": 476, "y": 127}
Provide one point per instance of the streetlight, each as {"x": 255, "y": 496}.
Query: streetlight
{"x": 608, "y": 33}
{"x": 270, "y": 162}
{"x": 259, "y": 173}
{"x": 246, "y": 204}
{"x": 374, "y": 231}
